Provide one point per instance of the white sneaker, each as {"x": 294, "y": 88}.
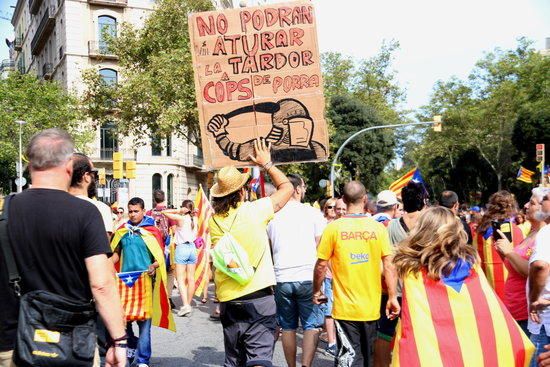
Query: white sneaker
{"x": 142, "y": 365}
{"x": 185, "y": 310}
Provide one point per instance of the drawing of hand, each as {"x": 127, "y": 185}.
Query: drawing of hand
{"x": 217, "y": 125}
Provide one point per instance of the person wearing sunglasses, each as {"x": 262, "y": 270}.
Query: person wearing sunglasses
{"x": 329, "y": 210}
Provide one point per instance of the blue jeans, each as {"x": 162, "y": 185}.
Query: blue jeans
{"x": 142, "y": 345}
{"x": 294, "y": 301}
{"x": 540, "y": 340}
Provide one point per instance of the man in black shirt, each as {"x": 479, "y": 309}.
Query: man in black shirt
{"x": 59, "y": 241}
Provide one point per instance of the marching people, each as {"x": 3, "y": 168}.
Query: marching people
{"x": 449, "y": 200}
{"x": 294, "y": 234}
{"x": 247, "y": 305}
{"x": 186, "y": 252}
{"x": 356, "y": 245}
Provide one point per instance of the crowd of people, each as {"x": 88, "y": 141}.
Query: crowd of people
{"x": 396, "y": 280}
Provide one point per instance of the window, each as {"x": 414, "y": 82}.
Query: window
{"x": 157, "y": 182}
{"x": 169, "y": 146}
{"x": 106, "y": 27}
{"x": 156, "y": 146}
{"x": 109, "y": 142}
{"x": 170, "y": 189}
{"x": 109, "y": 76}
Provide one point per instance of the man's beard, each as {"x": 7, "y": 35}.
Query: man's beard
{"x": 92, "y": 190}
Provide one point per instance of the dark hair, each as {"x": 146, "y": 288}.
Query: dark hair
{"x": 120, "y": 208}
{"x": 137, "y": 201}
{"x": 295, "y": 179}
{"x": 448, "y": 199}
{"x": 414, "y": 197}
{"x": 81, "y": 165}
{"x": 224, "y": 204}
{"x": 188, "y": 204}
{"x": 158, "y": 196}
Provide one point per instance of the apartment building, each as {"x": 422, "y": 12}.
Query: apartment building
{"x": 57, "y": 40}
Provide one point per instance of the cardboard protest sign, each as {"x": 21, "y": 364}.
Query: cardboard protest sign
{"x": 258, "y": 74}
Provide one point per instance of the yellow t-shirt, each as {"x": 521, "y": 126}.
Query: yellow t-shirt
{"x": 355, "y": 245}
{"x": 249, "y": 229}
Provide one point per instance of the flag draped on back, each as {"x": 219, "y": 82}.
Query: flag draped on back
{"x": 136, "y": 295}
{"x": 204, "y": 212}
{"x": 525, "y": 175}
{"x": 491, "y": 262}
{"x": 457, "y": 321}
{"x": 401, "y": 182}
{"x": 161, "y": 313}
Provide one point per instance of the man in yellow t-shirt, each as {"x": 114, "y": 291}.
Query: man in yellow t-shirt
{"x": 248, "y": 312}
{"x": 356, "y": 245}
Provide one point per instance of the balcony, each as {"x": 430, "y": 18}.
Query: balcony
{"x": 34, "y": 5}
{"x": 113, "y": 3}
{"x": 100, "y": 50}
{"x": 106, "y": 153}
{"x": 44, "y": 30}
{"x": 18, "y": 44}
{"x": 7, "y": 65}
{"x": 47, "y": 71}
{"x": 192, "y": 161}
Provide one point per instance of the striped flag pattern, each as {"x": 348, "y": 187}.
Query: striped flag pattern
{"x": 401, "y": 182}
{"x": 525, "y": 175}
{"x": 136, "y": 296}
{"x": 204, "y": 212}
{"x": 443, "y": 325}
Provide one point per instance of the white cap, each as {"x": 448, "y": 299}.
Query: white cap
{"x": 386, "y": 198}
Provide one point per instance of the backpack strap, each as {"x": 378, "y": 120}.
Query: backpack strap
{"x": 13, "y": 272}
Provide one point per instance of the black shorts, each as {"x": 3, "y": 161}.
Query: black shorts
{"x": 355, "y": 340}
{"x": 385, "y": 327}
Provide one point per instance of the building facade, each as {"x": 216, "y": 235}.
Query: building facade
{"x": 57, "y": 40}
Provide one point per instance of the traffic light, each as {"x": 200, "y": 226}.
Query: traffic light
{"x": 130, "y": 169}
{"x": 437, "y": 123}
{"x": 540, "y": 152}
{"x": 101, "y": 176}
{"x": 117, "y": 165}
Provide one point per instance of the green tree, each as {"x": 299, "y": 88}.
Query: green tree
{"x": 41, "y": 105}
{"x": 156, "y": 95}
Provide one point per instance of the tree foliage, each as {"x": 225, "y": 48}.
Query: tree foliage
{"x": 41, "y": 105}
{"x": 156, "y": 94}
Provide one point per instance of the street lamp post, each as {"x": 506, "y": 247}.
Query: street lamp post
{"x": 437, "y": 122}
{"x": 20, "y": 184}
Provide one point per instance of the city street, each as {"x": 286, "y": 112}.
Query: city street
{"x": 199, "y": 342}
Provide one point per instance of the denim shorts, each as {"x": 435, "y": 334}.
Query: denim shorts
{"x": 294, "y": 302}
{"x": 327, "y": 291}
{"x": 186, "y": 254}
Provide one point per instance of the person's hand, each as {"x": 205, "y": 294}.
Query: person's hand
{"x": 392, "y": 308}
{"x": 184, "y": 211}
{"x": 152, "y": 269}
{"x": 537, "y": 306}
{"x": 115, "y": 357}
{"x": 502, "y": 245}
{"x": 544, "y": 358}
{"x": 217, "y": 125}
{"x": 319, "y": 298}
{"x": 263, "y": 155}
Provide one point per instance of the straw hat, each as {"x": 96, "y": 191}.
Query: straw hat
{"x": 229, "y": 181}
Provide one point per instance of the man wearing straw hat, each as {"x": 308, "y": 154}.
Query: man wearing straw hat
{"x": 247, "y": 311}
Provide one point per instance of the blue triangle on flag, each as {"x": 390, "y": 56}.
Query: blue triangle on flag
{"x": 129, "y": 277}
{"x": 459, "y": 274}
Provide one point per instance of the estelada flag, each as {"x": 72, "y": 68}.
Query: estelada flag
{"x": 525, "y": 175}
{"x": 457, "y": 321}
{"x": 491, "y": 262}
{"x": 204, "y": 212}
{"x": 401, "y": 182}
{"x": 136, "y": 295}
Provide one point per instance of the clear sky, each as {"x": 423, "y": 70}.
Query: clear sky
{"x": 439, "y": 38}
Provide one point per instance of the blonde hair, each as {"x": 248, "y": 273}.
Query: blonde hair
{"x": 436, "y": 243}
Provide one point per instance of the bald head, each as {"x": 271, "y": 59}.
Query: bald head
{"x": 354, "y": 192}
{"x": 49, "y": 149}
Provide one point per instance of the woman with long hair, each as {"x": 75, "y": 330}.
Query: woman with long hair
{"x": 516, "y": 260}
{"x": 450, "y": 316}
{"x": 186, "y": 252}
{"x": 500, "y": 210}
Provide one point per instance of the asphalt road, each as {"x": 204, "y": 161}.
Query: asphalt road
{"x": 198, "y": 342}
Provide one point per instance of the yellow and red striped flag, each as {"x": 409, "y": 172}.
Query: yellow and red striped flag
{"x": 204, "y": 212}
{"x": 401, "y": 182}
{"x": 525, "y": 175}
{"x": 457, "y": 322}
{"x": 136, "y": 295}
